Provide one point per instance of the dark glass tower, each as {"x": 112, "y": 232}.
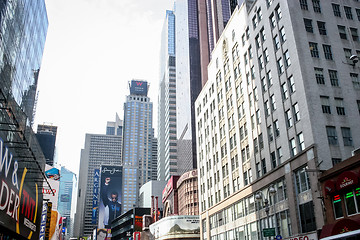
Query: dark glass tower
{"x": 46, "y": 136}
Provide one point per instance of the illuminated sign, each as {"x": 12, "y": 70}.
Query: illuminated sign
{"x": 337, "y": 198}
{"x": 95, "y": 196}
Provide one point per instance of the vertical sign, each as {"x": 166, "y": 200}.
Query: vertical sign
{"x": 43, "y": 221}
{"x": 48, "y": 219}
{"x": 95, "y": 196}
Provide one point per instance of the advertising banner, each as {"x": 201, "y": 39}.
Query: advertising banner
{"x": 95, "y": 196}
{"x": 20, "y": 200}
{"x": 53, "y": 177}
{"x": 103, "y": 234}
{"x": 180, "y": 227}
{"x": 55, "y": 226}
{"x": 43, "y": 221}
{"x": 138, "y": 87}
{"x": 110, "y": 195}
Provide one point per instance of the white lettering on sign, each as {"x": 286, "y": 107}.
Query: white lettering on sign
{"x": 312, "y": 236}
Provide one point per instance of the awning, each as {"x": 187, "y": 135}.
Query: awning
{"x": 329, "y": 187}
{"x": 342, "y": 226}
{"x": 346, "y": 180}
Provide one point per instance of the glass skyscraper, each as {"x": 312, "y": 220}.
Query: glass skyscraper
{"x": 138, "y": 139}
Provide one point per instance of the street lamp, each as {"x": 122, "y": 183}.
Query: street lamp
{"x": 259, "y": 196}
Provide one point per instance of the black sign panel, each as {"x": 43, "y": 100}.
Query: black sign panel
{"x": 138, "y": 88}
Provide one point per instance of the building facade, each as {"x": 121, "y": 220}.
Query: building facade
{"x": 66, "y": 195}
{"x": 149, "y": 189}
{"x": 188, "y": 195}
{"x": 138, "y": 140}
{"x": 281, "y": 104}
{"x": 99, "y": 149}
{"x": 23, "y": 32}
{"x": 46, "y": 136}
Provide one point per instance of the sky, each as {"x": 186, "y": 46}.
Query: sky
{"x": 93, "y": 49}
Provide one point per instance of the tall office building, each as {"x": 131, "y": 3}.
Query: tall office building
{"x": 23, "y": 29}
{"x": 281, "y": 104}
{"x": 167, "y": 141}
{"x": 46, "y": 136}
{"x": 66, "y": 193}
{"x": 100, "y": 149}
{"x": 138, "y": 140}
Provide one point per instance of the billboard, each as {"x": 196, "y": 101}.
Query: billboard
{"x": 95, "y": 196}
{"x": 103, "y": 234}
{"x": 138, "y": 87}
{"x": 20, "y": 199}
{"x": 53, "y": 177}
{"x": 179, "y": 227}
{"x": 110, "y": 195}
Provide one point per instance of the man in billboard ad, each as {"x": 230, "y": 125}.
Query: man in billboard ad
{"x": 20, "y": 200}
{"x": 110, "y": 192}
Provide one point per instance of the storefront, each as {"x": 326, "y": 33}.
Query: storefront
{"x": 341, "y": 194}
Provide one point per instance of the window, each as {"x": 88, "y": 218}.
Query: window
{"x": 331, "y": 134}
{"x": 280, "y": 65}
{"x": 262, "y": 35}
{"x": 303, "y": 4}
{"x": 282, "y": 34}
{"x": 358, "y": 105}
{"x": 257, "y": 41}
{"x": 335, "y": 161}
{"x": 284, "y": 91}
{"x": 307, "y": 217}
{"x": 287, "y": 58}
{"x": 250, "y": 52}
{"x": 263, "y": 166}
{"x": 259, "y": 14}
{"x": 301, "y": 141}
{"x": 352, "y": 201}
{"x": 266, "y": 56}
{"x": 289, "y": 121}
{"x": 254, "y": 22}
{"x": 279, "y": 154}
{"x": 302, "y": 180}
{"x": 247, "y": 32}
{"x": 314, "y": 50}
{"x": 342, "y": 32}
{"x": 339, "y": 103}
{"x": 296, "y": 111}
{"x": 308, "y": 25}
{"x": 327, "y": 52}
{"x": 319, "y": 75}
{"x": 354, "y": 34}
{"x": 276, "y": 42}
{"x": 270, "y": 133}
{"x": 272, "y": 20}
{"x": 278, "y": 12}
{"x": 261, "y": 141}
{"x": 336, "y": 10}
{"x": 321, "y": 27}
{"x": 269, "y": 78}
{"x": 316, "y": 6}
{"x": 276, "y": 128}
{"x": 291, "y": 84}
{"x": 325, "y": 104}
{"x": 293, "y": 150}
{"x": 347, "y": 53}
{"x": 273, "y": 102}
{"x": 261, "y": 62}
{"x": 246, "y": 179}
{"x": 333, "y": 78}
{"x": 347, "y": 139}
{"x": 348, "y": 12}
{"x": 358, "y": 13}
{"x": 355, "y": 80}
{"x": 263, "y": 84}
{"x": 273, "y": 159}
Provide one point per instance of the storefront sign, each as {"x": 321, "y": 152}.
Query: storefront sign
{"x": 20, "y": 207}
{"x": 311, "y": 236}
{"x": 346, "y": 180}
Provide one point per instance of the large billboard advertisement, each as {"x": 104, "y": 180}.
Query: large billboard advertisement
{"x": 138, "y": 87}
{"x": 110, "y": 195}
{"x": 53, "y": 177}
{"x": 179, "y": 227}
{"x": 20, "y": 198}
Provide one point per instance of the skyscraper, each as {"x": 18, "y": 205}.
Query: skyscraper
{"x": 46, "y": 136}
{"x": 66, "y": 195}
{"x": 138, "y": 140}
{"x": 280, "y": 106}
{"x": 99, "y": 149}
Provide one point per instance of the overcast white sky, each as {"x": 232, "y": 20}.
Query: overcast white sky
{"x": 93, "y": 48}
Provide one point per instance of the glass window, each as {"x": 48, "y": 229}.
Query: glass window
{"x": 276, "y": 42}
{"x": 293, "y": 150}
{"x": 301, "y": 141}
{"x": 284, "y": 91}
{"x": 289, "y": 121}
{"x": 314, "y": 50}
{"x": 327, "y": 52}
{"x": 282, "y": 34}
{"x": 303, "y": 4}
{"x": 346, "y": 134}
{"x": 321, "y": 27}
{"x": 333, "y": 78}
{"x": 350, "y": 203}
{"x": 332, "y": 135}
{"x": 348, "y": 12}
{"x": 280, "y": 65}
{"x": 354, "y": 34}
{"x": 336, "y": 10}
{"x": 278, "y": 12}
{"x": 307, "y": 217}
{"x": 287, "y": 58}
{"x": 272, "y": 20}
{"x": 296, "y": 111}
{"x": 316, "y": 6}
{"x": 339, "y": 103}
{"x": 342, "y": 32}
{"x": 358, "y": 13}
{"x": 355, "y": 80}
{"x": 263, "y": 166}
{"x": 266, "y": 56}
{"x": 319, "y": 75}
{"x": 302, "y": 180}
{"x": 291, "y": 84}
{"x": 325, "y": 104}
{"x": 308, "y": 25}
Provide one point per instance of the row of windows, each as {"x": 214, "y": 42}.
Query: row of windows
{"x": 333, "y": 138}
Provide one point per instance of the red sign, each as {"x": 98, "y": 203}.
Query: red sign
{"x": 346, "y": 180}
{"x": 137, "y": 235}
{"x": 329, "y": 187}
